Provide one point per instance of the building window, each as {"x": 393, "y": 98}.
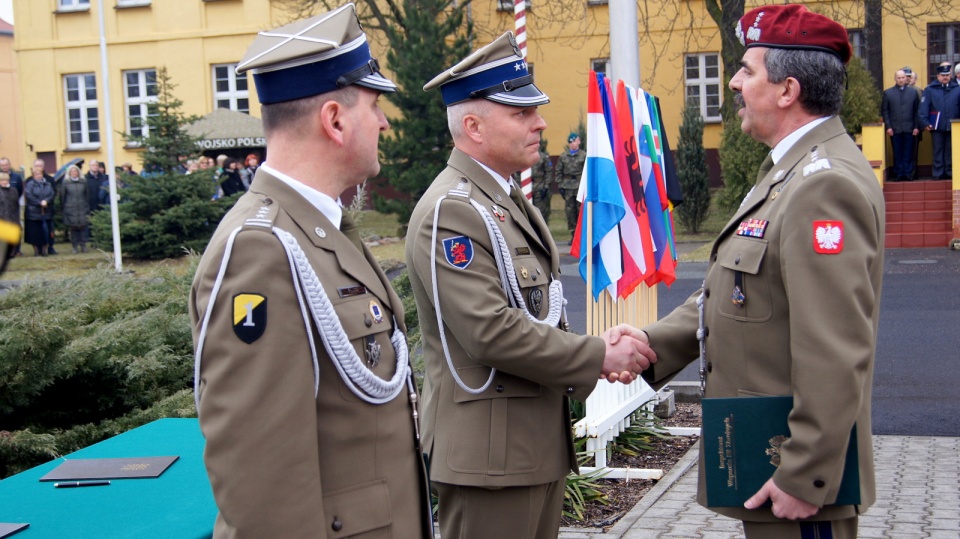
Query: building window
{"x": 600, "y": 65}
{"x": 507, "y": 5}
{"x": 73, "y": 5}
{"x": 943, "y": 45}
{"x": 140, "y": 92}
{"x": 703, "y": 90}
{"x": 858, "y": 44}
{"x": 229, "y": 89}
{"x": 133, "y": 3}
{"x": 83, "y": 122}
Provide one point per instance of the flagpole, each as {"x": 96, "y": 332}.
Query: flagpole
{"x": 520, "y": 26}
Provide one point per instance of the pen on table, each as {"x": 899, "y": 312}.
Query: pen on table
{"x": 74, "y": 484}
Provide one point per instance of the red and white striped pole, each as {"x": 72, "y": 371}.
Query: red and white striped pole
{"x": 520, "y": 29}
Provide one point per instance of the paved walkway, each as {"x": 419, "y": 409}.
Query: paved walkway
{"x": 918, "y": 496}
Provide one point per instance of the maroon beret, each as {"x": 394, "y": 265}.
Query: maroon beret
{"x": 792, "y": 26}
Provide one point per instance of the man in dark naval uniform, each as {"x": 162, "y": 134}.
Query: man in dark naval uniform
{"x": 303, "y": 384}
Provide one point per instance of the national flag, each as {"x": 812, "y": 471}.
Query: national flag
{"x": 601, "y": 189}
{"x": 638, "y": 261}
{"x": 650, "y": 170}
{"x": 662, "y": 179}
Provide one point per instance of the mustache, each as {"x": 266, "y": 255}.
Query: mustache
{"x": 738, "y": 100}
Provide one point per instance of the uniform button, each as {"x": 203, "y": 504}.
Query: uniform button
{"x": 534, "y": 277}
{"x": 499, "y": 389}
{"x": 706, "y": 332}
{"x": 337, "y": 525}
{"x": 819, "y": 483}
{"x": 570, "y": 391}
{"x": 706, "y": 292}
{"x": 267, "y": 201}
{"x": 709, "y": 366}
{"x": 737, "y": 261}
{"x": 366, "y": 321}
{"x": 714, "y": 257}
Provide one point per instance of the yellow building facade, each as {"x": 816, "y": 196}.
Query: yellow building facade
{"x": 199, "y": 41}
{"x": 11, "y": 128}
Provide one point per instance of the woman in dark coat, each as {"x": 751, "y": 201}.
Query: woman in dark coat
{"x": 38, "y": 215}
{"x": 9, "y": 200}
{"x": 230, "y": 180}
{"x": 75, "y": 202}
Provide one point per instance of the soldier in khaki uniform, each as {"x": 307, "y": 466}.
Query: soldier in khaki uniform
{"x": 303, "y": 385}
{"x": 541, "y": 174}
{"x": 791, "y": 297}
{"x": 567, "y": 173}
{"x": 499, "y": 364}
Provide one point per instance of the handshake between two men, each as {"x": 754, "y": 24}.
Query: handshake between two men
{"x": 628, "y": 354}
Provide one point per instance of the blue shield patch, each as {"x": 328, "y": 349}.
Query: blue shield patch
{"x": 459, "y": 251}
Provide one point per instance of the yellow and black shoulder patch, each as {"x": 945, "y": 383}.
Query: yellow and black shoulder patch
{"x": 249, "y": 316}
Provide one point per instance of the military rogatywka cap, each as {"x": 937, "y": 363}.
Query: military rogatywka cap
{"x": 793, "y": 26}
{"x": 496, "y": 72}
{"x": 943, "y": 70}
{"x": 311, "y": 57}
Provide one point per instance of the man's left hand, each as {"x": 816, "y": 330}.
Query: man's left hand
{"x": 784, "y": 505}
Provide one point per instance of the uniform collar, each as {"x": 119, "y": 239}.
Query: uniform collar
{"x": 329, "y": 207}
{"x": 501, "y": 181}
{"x": 784, "y": 145}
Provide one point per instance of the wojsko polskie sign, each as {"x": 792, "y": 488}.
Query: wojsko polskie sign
{"x": 239, "y": 142}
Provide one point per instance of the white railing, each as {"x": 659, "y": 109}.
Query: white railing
{"x": 608, "y": 412}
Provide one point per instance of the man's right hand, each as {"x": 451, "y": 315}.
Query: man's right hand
{"x": 626, "y": 356}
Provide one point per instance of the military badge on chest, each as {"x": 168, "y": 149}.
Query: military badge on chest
{"x": 535, "y": 301}
{"x": 371, "y": 349}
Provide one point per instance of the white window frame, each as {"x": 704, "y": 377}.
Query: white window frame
{"x": 232, "y": 95}
{"x": 606, "y": 65}
{"x": 82, "y": 105}
{"x": 508, "y": 5}
{"x": 703, "y": 83}
{"x": 133, "y": 3}
{"x": 73, "y": 5}
{"x": 142, "y": 101}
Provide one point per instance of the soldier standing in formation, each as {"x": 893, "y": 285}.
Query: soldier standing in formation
{"x": 568, "y": 172}
{"x": 304, "y": 389}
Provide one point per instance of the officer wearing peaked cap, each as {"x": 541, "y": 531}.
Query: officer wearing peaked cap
{"x": 303, "y": 385}
{"x": 484, "y": 270}
{"x": 791, "y": 298}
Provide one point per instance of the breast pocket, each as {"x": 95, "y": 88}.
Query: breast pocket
{"x": 533, "y": 282}
{"x": 369, "y": 326}
{"x": 742, "y": 288}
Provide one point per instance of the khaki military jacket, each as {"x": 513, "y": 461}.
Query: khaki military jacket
{"x": 569, "y": 168}
{"x": 807, "y": 326}
{"x": 517, "y": 432}
{"x": 287, "y": 457}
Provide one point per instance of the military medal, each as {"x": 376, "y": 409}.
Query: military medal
{"x": 737, "y": 297}
{"x": 375, "y": 311}
{"x": 498, "y": 212}
{"x": 372, "y": 351}
{"x": 535, "y": 301}
{"x": 524, "y": 273}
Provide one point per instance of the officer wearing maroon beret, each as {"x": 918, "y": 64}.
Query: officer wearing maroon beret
{"x": 791, "y": 298}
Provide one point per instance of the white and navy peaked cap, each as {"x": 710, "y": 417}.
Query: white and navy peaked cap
{"x": 496, "y": 72}
{"x": 311, "y": 57}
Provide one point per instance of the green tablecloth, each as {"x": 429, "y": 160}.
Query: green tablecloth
{"x": 178, "y": 504}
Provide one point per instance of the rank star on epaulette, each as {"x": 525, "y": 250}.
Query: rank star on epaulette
{"x": 249, "y": 316}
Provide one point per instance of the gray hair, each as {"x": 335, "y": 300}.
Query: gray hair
{"x": 290, "y": 114}
{"x": 821, "y": 76}
{"x": 456, "y": 113}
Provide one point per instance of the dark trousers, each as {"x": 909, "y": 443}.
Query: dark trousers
{"x": 942, "y": 157}
{"x": 903, "y": 146}
{"x": 511, "y": 512}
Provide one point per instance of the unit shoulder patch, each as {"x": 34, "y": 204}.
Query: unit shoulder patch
{"x": 249, "y": 316}
{"x": 828, "y": 237}
{"x": 458, "y": 251}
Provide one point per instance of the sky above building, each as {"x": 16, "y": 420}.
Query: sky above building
{"x": 6, "y": 10}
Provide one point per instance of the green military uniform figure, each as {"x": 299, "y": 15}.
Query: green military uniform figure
{"x": 542, "y": 176}
{"x": 568, "y": 171}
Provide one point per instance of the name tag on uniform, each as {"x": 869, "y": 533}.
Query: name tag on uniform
{"x": 522, "y": 250}
{"x": 350, "y": 291}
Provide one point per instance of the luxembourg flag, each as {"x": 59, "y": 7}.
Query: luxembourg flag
{"x": 601, "y": 186}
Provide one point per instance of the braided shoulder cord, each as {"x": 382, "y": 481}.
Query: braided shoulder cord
{"x": 702, "y": 338}
{"x": 363, "y": 382}
{"x": 508, "y": 281}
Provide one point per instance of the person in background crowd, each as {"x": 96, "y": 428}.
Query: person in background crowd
{"x": 567, "y": 173}
{"x": 75, "y": 205}
{"x": 304, "y": 389}
{"x": 250, "y": 166}
{"x": 16, "y": 181}
{"x": 956, "y": 72}
{"x": 9, "y": 200}
{"x": 939, "y": 105}
{"x": 95, "y": 177}
{"x": 230, "y": 182}
{"x": 193, "y": 165}
{"x": 51, "y": 236}
{"x": 38, "y": 193}
{"x": 128, "y": 169}
{"x": 790, "y": 304}
{"x": 899, "y": 110}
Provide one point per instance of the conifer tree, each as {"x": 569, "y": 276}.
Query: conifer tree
{"x": 740, "y": 160}
{"x": 416, "y": 148}
{"x": 163, "y": 213}
{"x": 692, "y": 171}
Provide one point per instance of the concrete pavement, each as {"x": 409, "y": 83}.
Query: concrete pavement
{"x": 918, "y": 497}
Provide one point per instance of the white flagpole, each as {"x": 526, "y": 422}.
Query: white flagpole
{"x": 108, "y": 134}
